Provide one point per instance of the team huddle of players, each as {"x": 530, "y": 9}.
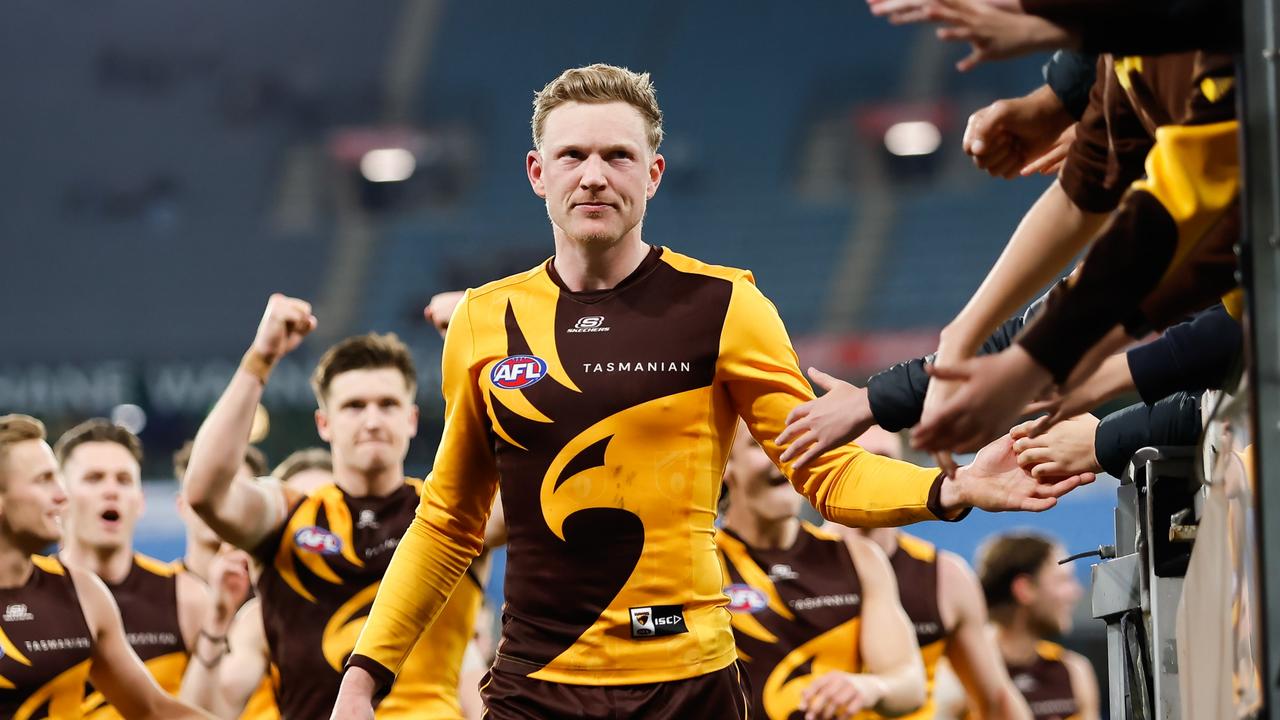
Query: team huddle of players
{"x": 817, "y": 618}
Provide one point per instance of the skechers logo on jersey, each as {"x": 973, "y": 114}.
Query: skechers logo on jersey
{"x": 655, "y": 366}
{"x": 744, "y": 598}
{"x": 518, "y": 371}
{"x": 317, "y": 540}
{"x": 589, "y": 324}
{"x": 657, "y": 620}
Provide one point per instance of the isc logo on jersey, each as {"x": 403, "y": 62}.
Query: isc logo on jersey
{"x": 318, "y": 540}
{"x": 744, "y": 598}
{"x": 518, "y": 371}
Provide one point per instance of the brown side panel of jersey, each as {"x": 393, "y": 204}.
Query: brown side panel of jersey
{"x": 918, "y": 587}
{"x": 46, "y": 647}
{"x": 149, "y": 607}
{"x": 1046, "y": 685}
{"x": 556, "y": 589}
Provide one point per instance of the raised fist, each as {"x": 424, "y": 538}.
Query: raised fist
{"x": 285, "y": 322}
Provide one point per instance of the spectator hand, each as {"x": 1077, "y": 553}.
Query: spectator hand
{"x": 994, "y": 482}
{"x": 990, "y": 394}
{"x": 1066, "y": 449}
{"x": 1019, "y": 134}
{"x": 840, "y": 415}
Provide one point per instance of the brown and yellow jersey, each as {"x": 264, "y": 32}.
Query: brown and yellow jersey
{"x": 1046, "y": 684}
{"x": 320, "y": 577}
{"x": 45, "y": 646}
{"x": 915, "y": 564}
{"x": 796, "y": 615}
{"x": 607, "y": 416}
{"x": 148, "y": 601}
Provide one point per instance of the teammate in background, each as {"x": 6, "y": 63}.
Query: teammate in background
{"x": 203, "y": 546}
{"x": 60, "y": 628}
{"x": 816, "y": 618}
{"x": 305, "y": 470}
{"x": 322, "y": 556}
{"x": 1031, "y": 598}
{"x": 945, "y": 603}
{"x": 202, "y": 542}
{"x": 161, "y": 607}
{"x": 603, "y": 388}
{"x": 229, "y": 692}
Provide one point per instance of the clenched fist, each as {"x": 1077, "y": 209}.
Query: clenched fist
{"x": 285, "y": 322}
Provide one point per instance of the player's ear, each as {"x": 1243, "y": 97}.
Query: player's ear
{"x": 1023, "y": 590}
{"x": 657, "y": 166}
{"x": 533, "y": 166}
{"x": 322, "y": 424}
{"x": 413, "y": 420}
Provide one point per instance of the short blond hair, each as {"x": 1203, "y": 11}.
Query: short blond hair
{"x": 15, "y": 429}
{"x": 600, "y": 83}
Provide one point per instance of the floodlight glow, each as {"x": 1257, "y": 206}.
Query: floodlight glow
{"x": 387, "y": 165}
{"x": 917, "y": 137}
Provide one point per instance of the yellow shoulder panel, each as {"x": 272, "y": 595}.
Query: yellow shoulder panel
{"x": 684, "y": 263}
{"x": 154, "y": 566}
{"x": 921, "y": 550}
{"x": 1049, "y": 650}
{"x": 48, "y": 564}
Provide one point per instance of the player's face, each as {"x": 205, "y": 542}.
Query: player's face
{"x": 105, "y": 485}
{"x": 1057, "y": 593}
{"x": 595, "y": 171}
{"x": 308, "y": 480}
{"x": 368, "y": 419}
{"x": 32, "y": 497}
{"x": 755, "y": 483}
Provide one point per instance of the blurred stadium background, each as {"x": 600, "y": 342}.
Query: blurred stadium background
{"x": 169, "y": 165}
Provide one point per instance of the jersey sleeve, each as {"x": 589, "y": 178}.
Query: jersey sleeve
{"x": 847, "y": 484}
{"x": 447, "y": 532}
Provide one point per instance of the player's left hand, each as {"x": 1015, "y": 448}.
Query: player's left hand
{"x": 230, "y": 583}
{"x": 840, "y": 695}
{"x": 990, "y": 393}
{"x": 996, "y": 483}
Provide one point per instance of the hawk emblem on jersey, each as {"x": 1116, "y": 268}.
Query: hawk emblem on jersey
{"x": 318, "y": 540}
{"x": 744, "y": 598}
{"x": 518, "y": 371}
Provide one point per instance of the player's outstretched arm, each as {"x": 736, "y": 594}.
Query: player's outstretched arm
{"x": 446, "y": 534}
{"x": 115, "y": 669}
{"x": 242, "y": 512}
{"x": 892, "y": 682}
{"x": 970, "y": 649}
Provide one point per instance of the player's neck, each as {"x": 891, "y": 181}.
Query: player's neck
{"x": 886, "y": 538}
{"x": 597, "y": 266}
{"x": 15, "y": 566}
{"x": 1016, "y": 641}
{"x": 198, "y": 557}
{"x": 375, "y": 483}
{"x": 112, "y": 564}
{"x": 761, "y": 533}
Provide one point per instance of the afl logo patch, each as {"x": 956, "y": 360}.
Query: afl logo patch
{"x": 317, "y": 540}
{"x": 744, "y": 598}
{"x": 518, "y": 371}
